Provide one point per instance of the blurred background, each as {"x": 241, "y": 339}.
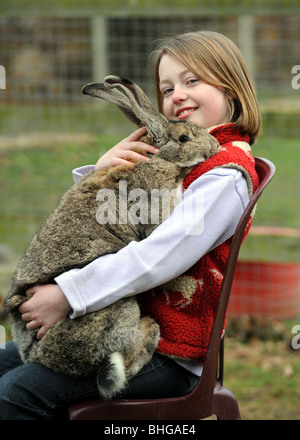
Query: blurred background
{"x": 49, "y": 49}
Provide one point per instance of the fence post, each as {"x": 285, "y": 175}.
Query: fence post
{"x": 2, "y": 77}
{"x": 246, "y": 40}
{"x": 99, "y": 37}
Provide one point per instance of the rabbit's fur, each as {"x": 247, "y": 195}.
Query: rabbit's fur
{"x": 115, "y": 342}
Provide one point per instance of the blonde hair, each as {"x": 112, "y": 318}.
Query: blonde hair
{"x": 216, "y": 60}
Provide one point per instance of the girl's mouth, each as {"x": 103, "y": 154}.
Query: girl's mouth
{"x": 183, "y": 113}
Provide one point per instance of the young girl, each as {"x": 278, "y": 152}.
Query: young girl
{"x": 200, "y": 77}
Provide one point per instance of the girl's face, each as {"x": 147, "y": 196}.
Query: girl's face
{"x": 185, "y": 97}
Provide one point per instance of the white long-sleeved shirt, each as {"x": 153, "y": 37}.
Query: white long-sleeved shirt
{"x": 212, "y": 207}
{"x": 171, "y": 249}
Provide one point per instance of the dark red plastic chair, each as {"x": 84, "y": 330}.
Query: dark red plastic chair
{"x": 209, "y": 397}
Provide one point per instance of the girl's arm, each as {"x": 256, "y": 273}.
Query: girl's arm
{"x": 207, "y": 216}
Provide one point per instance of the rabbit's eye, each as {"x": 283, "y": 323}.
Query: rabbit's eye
{"x": 183, "y": 139}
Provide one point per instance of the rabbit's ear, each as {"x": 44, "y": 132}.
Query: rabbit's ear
{"x": 133, "y": 101}
{"x": 115, "y": 96}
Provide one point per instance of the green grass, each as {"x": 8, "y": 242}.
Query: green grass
{"x": 278, "y": 205}
{"x": 32, "y": 181}
{"x": 279, "y": 199}
{"x": 265, "y": 378}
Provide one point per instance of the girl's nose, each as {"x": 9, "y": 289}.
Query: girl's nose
{"x": 179, "y": 94}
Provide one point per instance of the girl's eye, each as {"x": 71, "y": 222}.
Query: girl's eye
{"x": 192, "y": 80}
{"x": 166, "y": 92}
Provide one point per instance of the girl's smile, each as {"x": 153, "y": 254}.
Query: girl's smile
{"x": 183, "y": 113}
{"x": 186, "y": 97}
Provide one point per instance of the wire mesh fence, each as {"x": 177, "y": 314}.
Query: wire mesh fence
{"x": 50, "y": 52}
{"x": 50, "y": 49}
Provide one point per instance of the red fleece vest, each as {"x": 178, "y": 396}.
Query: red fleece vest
{"x": 185, "y": 307}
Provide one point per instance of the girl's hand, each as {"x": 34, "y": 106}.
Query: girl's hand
{"x": 120, "y": 153}
{"x": 45, "y": 307}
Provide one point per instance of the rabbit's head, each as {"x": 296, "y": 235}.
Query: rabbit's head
{"x": 186, "y": 144}
{"x": 190, "y": 143}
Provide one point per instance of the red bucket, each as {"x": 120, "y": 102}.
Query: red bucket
{"x": 265, "y": 289}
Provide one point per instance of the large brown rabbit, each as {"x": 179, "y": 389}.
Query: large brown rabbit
{"x": 115, "y": 342}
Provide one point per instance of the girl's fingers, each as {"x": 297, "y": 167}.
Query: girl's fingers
{"x": 134, "y": 155}
{"x": 134, "y": 139}
{"x": 128, "y": 157}
{"x": 137, "y": 134}
{"x": 121, "y": 152}
{"x": 30, "y": 291}
{"x": 146, "y": 147}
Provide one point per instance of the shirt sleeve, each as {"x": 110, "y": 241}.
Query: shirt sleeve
{"x": 79, "y": 172}
{"x": 206, "y": 216}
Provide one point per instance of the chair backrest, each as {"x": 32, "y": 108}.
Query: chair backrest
{"x": 265, "y": 170}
